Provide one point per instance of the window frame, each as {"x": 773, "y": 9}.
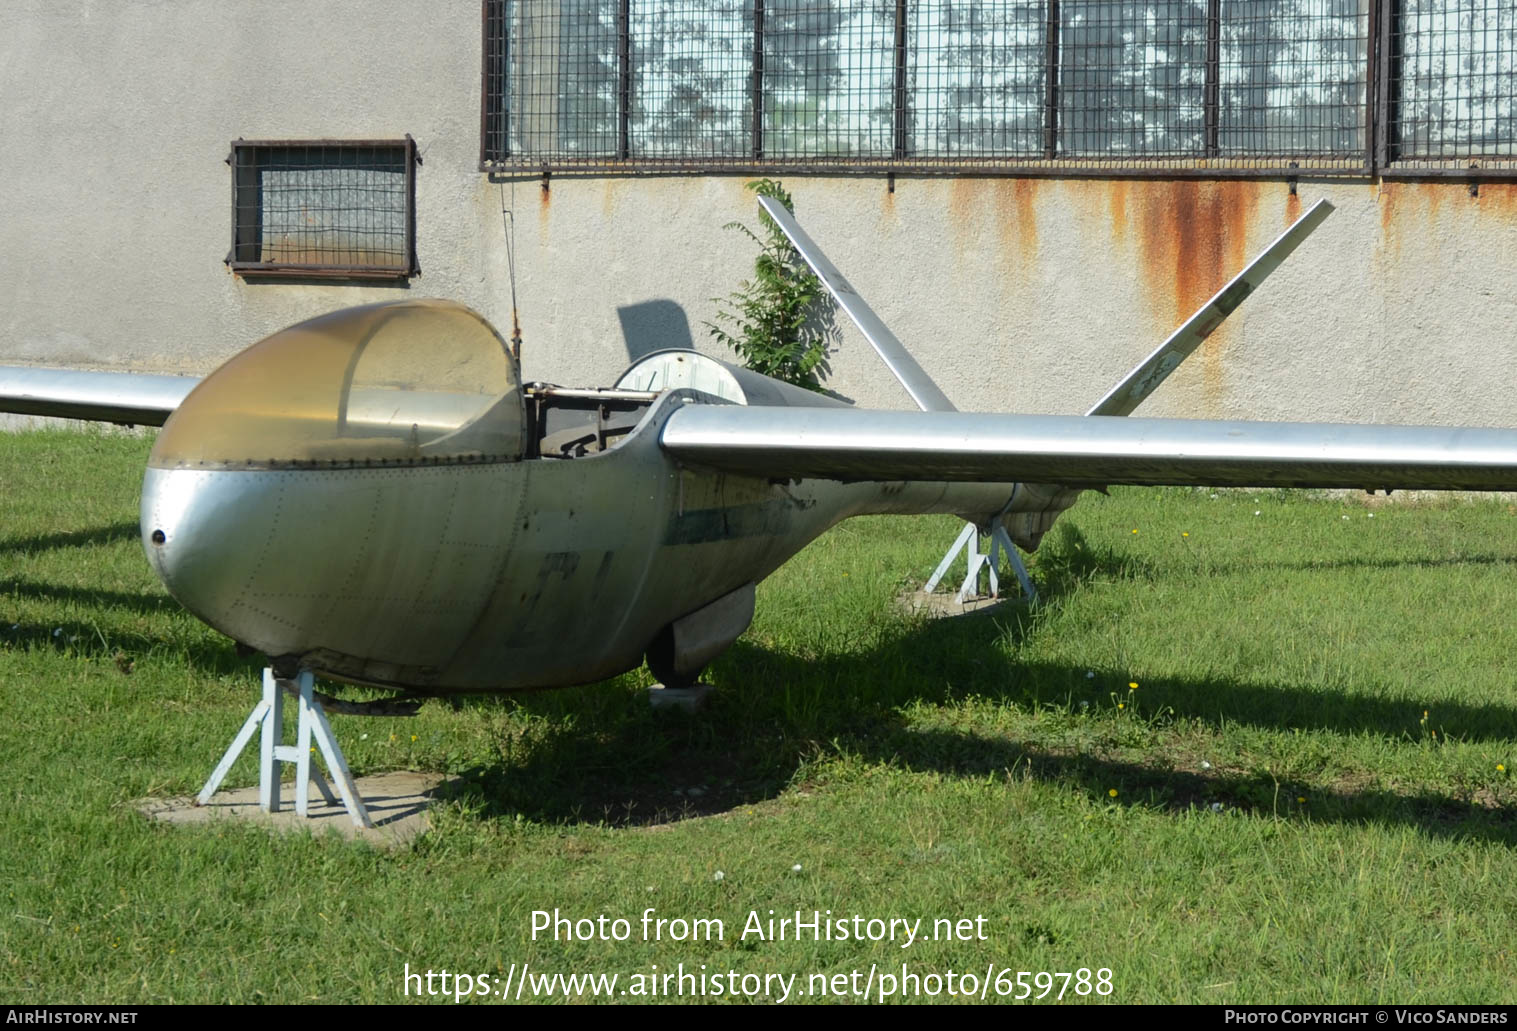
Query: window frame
{"x": 253, "y": 270}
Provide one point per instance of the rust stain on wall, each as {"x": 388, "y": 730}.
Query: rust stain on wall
{"x": 962, "y": 197}
{"x": 995, "y": 218}
{"x": 1389, "y": 198}
{"x": 1430, "y": 196}
{"x": 1386, "y": 198}
{"x": 1292, "y": 209}
{"x": 1498, "y": 199}
{"x": 1015, "y": 203}
{"x": 1409, "y": 208}
{"x": 1433, "y": 194}
{"x": 1192, "y": 238}
{"x": 1116, "y": 201}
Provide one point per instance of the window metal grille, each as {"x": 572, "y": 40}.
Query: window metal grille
{"x": 1133, "y": 79}
{"x": 1454, "y": 83}
{"x": 975, "y": 80}
{"x": 324, "y": 208}
{"x": 1098, "y": 87}
{"x": 1294, "y": 78}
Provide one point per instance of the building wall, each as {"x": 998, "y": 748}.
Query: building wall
{"x": 1017, "y": 295}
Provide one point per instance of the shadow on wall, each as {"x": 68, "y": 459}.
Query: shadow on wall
{"x": 653, "y": 325}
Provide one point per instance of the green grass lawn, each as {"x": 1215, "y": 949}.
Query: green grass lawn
{"x": 1308, "y": 796}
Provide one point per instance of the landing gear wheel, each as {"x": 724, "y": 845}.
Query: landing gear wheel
{"x": 660, "y": 656}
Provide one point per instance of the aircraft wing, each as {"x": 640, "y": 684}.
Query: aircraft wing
{"x": 1083, "y": 451}
{"x": 125, "y": 397}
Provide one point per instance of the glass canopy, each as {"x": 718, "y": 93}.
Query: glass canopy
{"x": 414, "y": 382}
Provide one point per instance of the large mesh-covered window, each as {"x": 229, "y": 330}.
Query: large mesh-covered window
{"x": 976, "y": 78}
{"x": 931, "y": 85}
{"x": 692, "y": 60}
{"x": 1294, "y": 77}
{"x": 562, "y": 78}
{"x": 828, "y": 79}
{"x": 1456, "y": 80}
{"x": 323, "y": 208}
{"x": 1133, "y": 79}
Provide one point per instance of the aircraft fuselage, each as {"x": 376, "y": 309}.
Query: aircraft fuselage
{"x": 491, "y": 576}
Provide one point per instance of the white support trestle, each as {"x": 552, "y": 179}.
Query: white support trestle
{"x": 968, "y": 541}
{"x": 312, "y": 732}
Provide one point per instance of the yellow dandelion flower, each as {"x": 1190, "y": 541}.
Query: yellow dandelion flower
{"x": 1301, "y": 799}
{"x": 1121, "y": 705}
{"x": 1135, "y": 531}
{"x": 1132, "y": 685}
{"x": 1112, "y": 792}
{"x": 1500, "y": 768}
{"x": 413, "y": 737}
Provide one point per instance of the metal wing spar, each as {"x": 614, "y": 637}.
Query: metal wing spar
{"x": 123, "y": 397}
{"x": 1145, "y": 378}
{"x": 1081, "y": 451}
{"x": 905, "y": 368}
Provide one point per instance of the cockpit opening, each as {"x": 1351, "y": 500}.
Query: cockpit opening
{"x": 565, "y": 422}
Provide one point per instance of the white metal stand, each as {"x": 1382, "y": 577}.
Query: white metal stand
{"x": 312, "y": 724}
{"x": 969, "y": 540}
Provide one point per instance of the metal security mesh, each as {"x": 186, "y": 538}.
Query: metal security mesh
{"x": 322, "y": 207}
{"x": 1213, "y": 87}
{"x": 691, "y": 63}
{"x": 1456, "y": 80}
{"x": 828, "y": 79}
{"x": 1293, "y": 78}
{"x": 1132, "y": 79}
{"x": 976, "y": 79}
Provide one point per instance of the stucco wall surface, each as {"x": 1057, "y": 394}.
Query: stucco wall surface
{"x": 1016, "y": 295}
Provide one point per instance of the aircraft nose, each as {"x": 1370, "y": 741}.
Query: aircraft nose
{"x": 190, "y": 533}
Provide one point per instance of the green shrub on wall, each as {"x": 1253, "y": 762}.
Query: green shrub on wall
{"x": 774, "y": 317}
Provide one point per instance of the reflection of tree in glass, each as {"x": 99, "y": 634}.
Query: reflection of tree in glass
{"x": 975, "y": 78}
{"x": 691, "y": 62}
{"x": 1459, "y": 78}
{"x": 829, "y": 69}
{"x": 562, "y": 77}
{"x": 588, "y": 77}
{"x": 1293, "y": 76}
{"x": 1132, "y": 77}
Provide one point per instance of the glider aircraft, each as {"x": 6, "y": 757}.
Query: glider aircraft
{"x": 374, "y": 496}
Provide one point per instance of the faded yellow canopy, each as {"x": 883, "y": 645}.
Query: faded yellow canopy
{"x": 400, "y": 383}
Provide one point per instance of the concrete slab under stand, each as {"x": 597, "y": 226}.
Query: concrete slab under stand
{"x": 940, "y": 604}
{"x": 397, "y": 803}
